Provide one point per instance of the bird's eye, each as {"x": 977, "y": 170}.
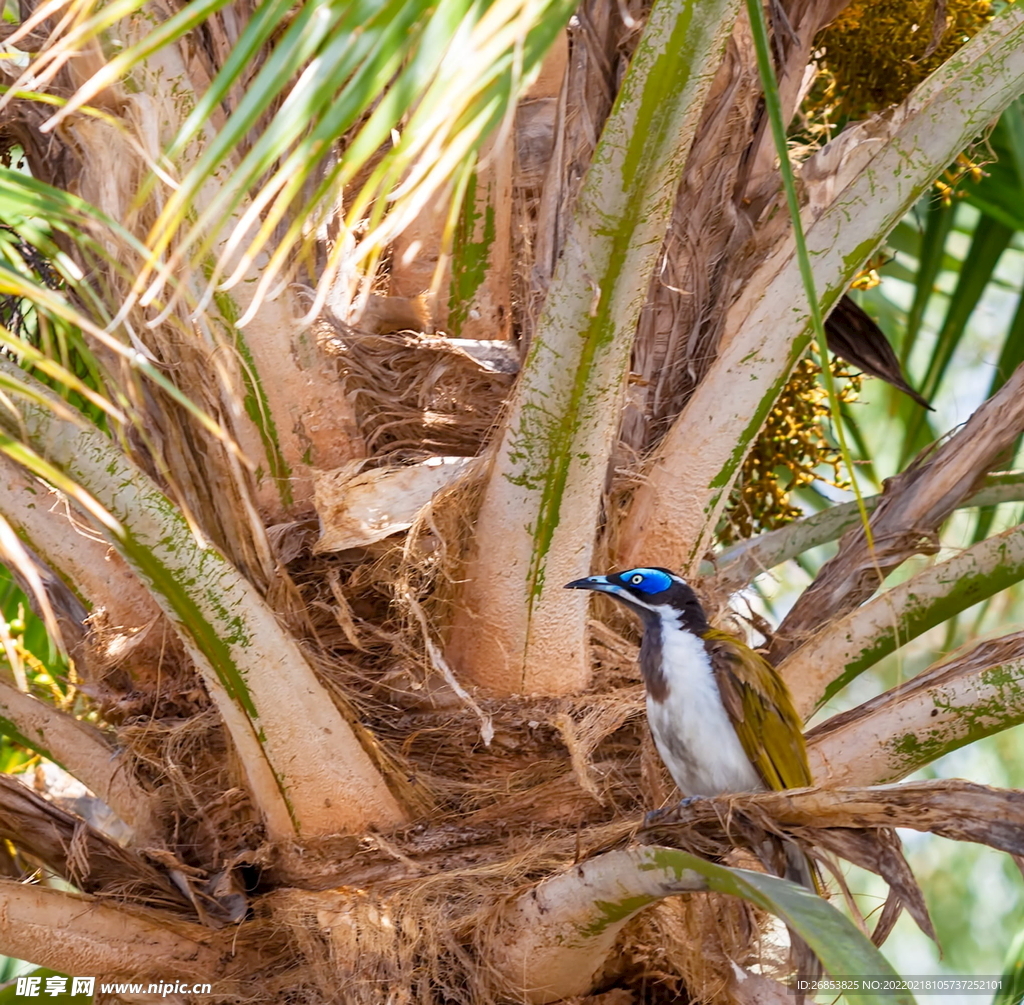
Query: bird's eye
{"x": 637, "y": 579}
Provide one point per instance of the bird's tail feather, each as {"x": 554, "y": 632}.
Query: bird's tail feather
{"x": 801, "y": 869}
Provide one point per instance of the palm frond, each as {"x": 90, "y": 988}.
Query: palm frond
{"x": 425, "y": 82}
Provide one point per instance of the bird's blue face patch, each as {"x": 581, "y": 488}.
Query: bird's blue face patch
{"x": 645, "y": 580}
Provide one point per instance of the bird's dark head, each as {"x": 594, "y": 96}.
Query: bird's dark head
{"x": 653, "y": 593}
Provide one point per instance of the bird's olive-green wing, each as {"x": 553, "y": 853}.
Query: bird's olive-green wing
{"x": 761, "y": 709}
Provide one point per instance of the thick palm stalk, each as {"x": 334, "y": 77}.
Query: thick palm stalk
{"x": 953, "y": 807}
{"x": 80, "y": 749}
{"x": 741, "y": 564}
{"x": 98, "y": 577}
{"x": 286, "y": 404}
{"x": 273, "y": 386}
{"x": 914, "y": 505}
{"x": 516, "y": 631}
{"x": 306, "y": 769}
{"x": 560, "y": 934}
{"x": 674, "y": 512}
{"x": 954, "y": 703}
{"x": 98, "y": 938}
{"x": 833, "y": 657}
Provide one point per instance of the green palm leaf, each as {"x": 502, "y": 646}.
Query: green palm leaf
{"x": 431, "y": 78}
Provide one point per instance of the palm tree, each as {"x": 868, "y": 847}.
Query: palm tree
{"x": 300, "y": 568}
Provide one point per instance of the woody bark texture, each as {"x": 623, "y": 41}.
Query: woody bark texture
{"x": 713, "y": 246}
{"x": 978, "y": 693}
{"x": 845, "y": 648}
{"x": 858, "y": 187}
{"x": 950, "y": 807}
{"x": 514, "y": 629}
{"x": 98, "y": 939}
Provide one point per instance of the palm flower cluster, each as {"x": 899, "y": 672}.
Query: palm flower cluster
{"x": 792, "y": 450}
{"x": 877, "y": 51}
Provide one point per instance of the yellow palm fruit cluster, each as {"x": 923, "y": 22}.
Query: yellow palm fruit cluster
{"x": 876, "y": 51}
{"x": 792, "y": 449}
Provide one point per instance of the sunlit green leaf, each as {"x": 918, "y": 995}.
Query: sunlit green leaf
{"x": 842, "y": 948}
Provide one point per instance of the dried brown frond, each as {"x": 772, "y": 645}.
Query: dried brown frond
{"x": 72, "y": 849}
{"x": 660, "y": 954}
{"x": 426, "y": 937}
{"x": 415, "y": 912}
{"x": 416, "y": 396}
{"x": 914, "y": 505}
{"x": 190, "y": 759}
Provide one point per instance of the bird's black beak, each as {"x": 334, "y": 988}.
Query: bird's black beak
{"x": 599, "y": 584}
{"x": 602, "y": 584}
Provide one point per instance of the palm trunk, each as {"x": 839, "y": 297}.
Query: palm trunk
{"x": 306, "y": 769}
{"x": 675, "y": 511}
{"x": 535, "y": 530}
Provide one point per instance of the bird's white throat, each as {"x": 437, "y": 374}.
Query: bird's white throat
{"x": 692, "y": 730}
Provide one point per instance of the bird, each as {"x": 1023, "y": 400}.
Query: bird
{"x": 722, "y": 718}
{"x": 853, "y": 335}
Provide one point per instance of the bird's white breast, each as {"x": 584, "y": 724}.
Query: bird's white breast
{"x": 691, "y": 728}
